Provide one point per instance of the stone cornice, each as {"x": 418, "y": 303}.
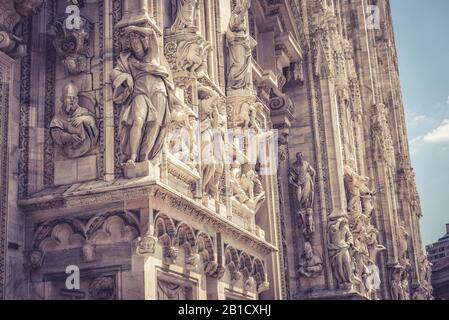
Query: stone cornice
{"x": 97, "y": 193}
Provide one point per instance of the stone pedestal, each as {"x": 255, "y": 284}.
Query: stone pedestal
{"x": 142, "y": 169}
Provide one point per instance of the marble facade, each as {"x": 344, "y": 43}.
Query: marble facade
{"x": 117, "y": 155}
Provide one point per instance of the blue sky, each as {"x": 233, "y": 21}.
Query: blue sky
{"x": 422, "y": 40}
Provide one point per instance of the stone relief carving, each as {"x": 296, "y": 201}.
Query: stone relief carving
{"x": 12, "y": 13}
{"x": 146, "y": 245}
{"x": 144, "y": 90}
{"x": 168, "y": 290}
{"x": 239, "y": 45}
{"x": 302, "y": 178}
{"x": 310, "y": 262}
{"x": 242, "y": 266}
{"x": 89, "y": 252}
{"x": 102, "y": 288}
{"x": 185, "y": 16}
{"x": 62, "y": 234}
{"x": 35, "y": 259}
{"x": 72, "y": 45}
{"x": 192, "y": 55}
{"x": 74, "y": 127}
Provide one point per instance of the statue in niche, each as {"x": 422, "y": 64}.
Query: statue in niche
{"x": 302, "y": 178}
{"x": 185, "y": 15}
{"x": 339, "y": 244}
{"x": 144, "y": 89}
{"x": 213, "y": 129}
{"x": 73, "y": 128}
{"x": 310, "y": 263}
{"x": 239, "y": 45}
{"x": 12, "y": 13}
{"x": 356, "y": 190}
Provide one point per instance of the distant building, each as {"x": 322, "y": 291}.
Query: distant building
{"x": 438, "y": 254}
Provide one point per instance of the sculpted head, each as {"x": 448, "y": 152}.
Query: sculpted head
{"x": 139, "y": 44}
{"x": 70, "y": 98}
{"x": 300, "y": 156}
{"x": 308, "y": 252}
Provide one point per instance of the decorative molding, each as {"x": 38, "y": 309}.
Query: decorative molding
{"x": 5, "y": 95}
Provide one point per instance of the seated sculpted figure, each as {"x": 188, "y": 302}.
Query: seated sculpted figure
{"x": 310, "y": 263}
{"x": 73, "y": 128}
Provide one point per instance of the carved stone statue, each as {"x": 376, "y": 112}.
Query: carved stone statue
{"x": 212, "y": 128}
{"x": 381, "y": 135}
{"x": 185, "y": 15}
{"x": 253, "y": 188}
{"x": 182, "y": 134}
{"x": 12, "y": 13}
{"x": 339, "y": 242}
{"x": 237, "y": 189}
{"x": 310, "y": 263}
{"x": 372, "y": 242}
{"x": 356, "y": 189}
{"x": 425, "y": 273}
{"x": 403, "y": 243}
{"x": 397, "y": 288}
{"x": 239, "y": 45}
{"x": 73, "y": 128}
{"x": 144, "y": 89}
{"x": 302, "y": 177}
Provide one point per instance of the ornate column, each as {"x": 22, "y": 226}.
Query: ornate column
{"x": 6, "y": 81}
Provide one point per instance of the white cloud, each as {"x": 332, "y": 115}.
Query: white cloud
{"x": 447, "y": 100}
{"x": 440, "y": 134}
{"x": 418, "y": 120}
{"x": 416, "y": 144}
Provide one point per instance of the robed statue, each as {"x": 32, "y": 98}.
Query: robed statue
{"x": 239, "y": 45}
{"x": 144, "y": 89}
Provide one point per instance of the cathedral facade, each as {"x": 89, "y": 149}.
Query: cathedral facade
{"x": 205, "y": 149}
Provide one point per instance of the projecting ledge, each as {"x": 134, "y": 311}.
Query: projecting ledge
{"x": 101, "y": 193}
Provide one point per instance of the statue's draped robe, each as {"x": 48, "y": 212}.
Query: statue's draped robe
{"x": 62, "y": 129}
{"x": 239, "y": 57}
{"x": 302, "y": 176}
{"x": 185, "y": 16}
{"x": 150, "y": 99}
